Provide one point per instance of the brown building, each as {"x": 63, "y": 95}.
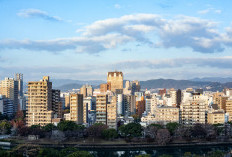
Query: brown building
{"x": 115, "y": 79}
{"x": 140, "y": 107}
{"x": 39, "y": 105}
{"x": 67, "y": 101}
{"x": 86, "y": 90}
{"x": 104, "y": 87}
{"x": 76, "y": 108}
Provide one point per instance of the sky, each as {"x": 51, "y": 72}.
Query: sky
{"x": 148, "y": 39}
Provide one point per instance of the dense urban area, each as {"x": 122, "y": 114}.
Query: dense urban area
{"x": 42, "y": 119}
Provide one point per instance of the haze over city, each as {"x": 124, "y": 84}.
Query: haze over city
{"x": 83, "y": 40}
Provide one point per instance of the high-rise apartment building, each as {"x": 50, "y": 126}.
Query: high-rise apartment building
{"x": 101, "y": 108}
{"x": 86, "y": 90}
{"x": 120, "y": 106}
{"x": 140, "y": 106}
{"x": 173, "y": 96}
{"x": 194, "y": 110}
{"x": 228, "y": 108}
{"x": 166, "y": 114}
{"x": 39, "y": 105}
{"x": 115, "y": 79}
{"x": 9, "y": 88}
{"x": 56, "y": 104}
{"x": 76, "y": 108}
{"x": 112, "y": 113}
{"x": 129, "y": 103}
{"x": 6, "y": 106}
{"x": 178, "y": 97}
{"x": 67, "y": 101}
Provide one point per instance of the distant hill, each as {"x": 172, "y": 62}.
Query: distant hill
{"x": 62, "y": 82}
{"x": 170, "y": 83}
{"x": 213, "y": 79}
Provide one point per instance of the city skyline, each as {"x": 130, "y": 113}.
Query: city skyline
{"x": 146, "y": 40}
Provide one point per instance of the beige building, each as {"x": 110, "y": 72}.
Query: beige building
{"x": 216, "y": 117}
{"x": 76, "y": 108}
{"x": 112, "y": 113}
{"x": 86, "y": 90}
{"x": 67, "y": 116}
{"x": 9, "y": 88}
{"x": 39, "y": 105}
{"x": 115, "y": 79}
{"x": 166, "y": 114}
{"x": 67, "y": 100}
{"x": 149, "y": 119}
{"x": 172, "y": 93}
{"x": 228, "y": 108}
{"x": 101, "y": 108}
{"x": 194, "y": 110}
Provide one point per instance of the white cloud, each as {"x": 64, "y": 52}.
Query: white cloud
{"x": 203, "y": 11}
{"x": 117, "y": 6}
{"x": 206, "y": 11}
{"x": 200, "y": 35}
{"x": 29, "y": 13}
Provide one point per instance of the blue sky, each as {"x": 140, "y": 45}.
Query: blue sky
{"x": 83, "y": 40}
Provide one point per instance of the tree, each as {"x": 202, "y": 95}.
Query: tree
{"x": 109, "y": 134}
{"x": 136, "y": 118}
{"x": 80, "y": 154}
{"x": 69, "y": 125}
{"x": 49, "y": 127}
{"x": 96, "y": 129}
{"x": 172, "y": 127}
{"x": 131, "y": 130}
{"x": 5, "y": 127}
{"x": 198, "y": 131}
{"x": 150, "y": 132}
{"x": 159, "y": 126}
{"x": 163, "y": 136}
{"x": 48, "y": 152}
{"x": 143, "y": 155}
{"x": 165, "y": 155}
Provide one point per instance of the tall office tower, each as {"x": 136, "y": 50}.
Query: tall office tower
{"x": 135, "y": 86}
{"x": 6, "y": 106}
{"x": 178, "y": 97}
{"x": 115, "y": 79}
{"x": 101, "y": 108}
{"x": 76, "y": 108}
{"x": 129, "y": 102}
{"x": 112, "y": 113}
{"x": 39, "y": 105}
{"x": 67, "y": 100}
{"x": 9, "y": 88}
{"x": 194, "y": 109}
{"x": 56, "y": 104}
{"x": 120, "y": 107}
{"x": 19, "y": 78}
{"x": 172, "y": 93}
{"x": 140, "y": 106}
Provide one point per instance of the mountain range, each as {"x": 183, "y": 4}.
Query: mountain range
{"x": 215, "y": 83}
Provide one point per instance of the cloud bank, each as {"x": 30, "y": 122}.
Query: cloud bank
{"x": 198, "y": 34}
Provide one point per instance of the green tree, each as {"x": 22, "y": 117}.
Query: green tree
{"x": 96, "y": 129}
{"x": 165, "y": 155}
{"x": 172, "y": 127}
{"x": 49, "y": 127}
{"x": 48, "y": 152}
{"x": 143, "y": 155}
{"x": 5, "y": 127}
{"x": 109, "y": 134}
{"x": 158, "y": 126}
{"x": 69, "y": 125}
{"x": 80, "y": 154}
{"x": 131, "y": 130}
{"x": 216, "y": 153}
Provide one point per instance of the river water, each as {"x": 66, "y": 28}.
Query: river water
{"x": 156, "y": 152}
